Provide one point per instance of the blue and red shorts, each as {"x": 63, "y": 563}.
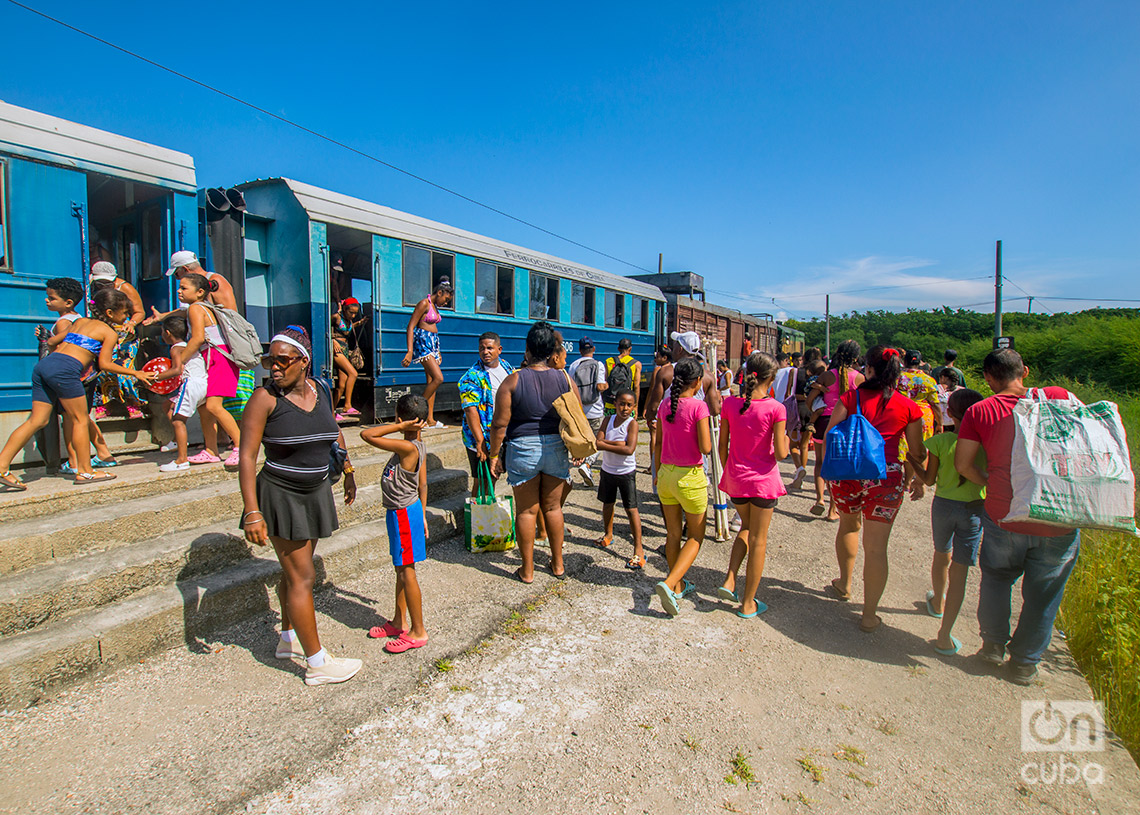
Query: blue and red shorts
{"x": 406, "y": 539}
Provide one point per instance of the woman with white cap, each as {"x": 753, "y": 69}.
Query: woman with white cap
{"x": 290, "y": 503}
{"x": 111, "y": 387}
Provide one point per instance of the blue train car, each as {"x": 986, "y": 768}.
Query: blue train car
{"x": 71, "y": 195}
{"x": 306, "y": 249}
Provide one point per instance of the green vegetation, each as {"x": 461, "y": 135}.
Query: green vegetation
{"x": 1096, "y": 355}
{"x": 740, "y": 769}
{"x": 1100, "y": 346}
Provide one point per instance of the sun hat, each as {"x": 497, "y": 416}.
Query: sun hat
{"x": 103, "y": 271}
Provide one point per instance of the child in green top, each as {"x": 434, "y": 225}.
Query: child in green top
{"x": 956, "y": 520}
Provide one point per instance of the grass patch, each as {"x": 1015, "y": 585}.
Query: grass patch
{"x": 853, "y": 754}
{"x": 516, "y": 625}
{"x": 886, "y": 727}
{"x": 740, "y": 769}
{"x": 443, "y": 665}
{"x": 809, "y": 766}
{"x": 460, "y": 688}
{"x": 866, "y": 782}
{"x": 691, "y": 743}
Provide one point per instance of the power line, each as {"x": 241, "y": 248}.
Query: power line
{"x": 1027, "y": 294}
{"x": 1088, "y": 299}
{"x": 323, "y": 137}
{"x": 883, "y": 288}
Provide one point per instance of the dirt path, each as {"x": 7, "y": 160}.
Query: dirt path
{"x": 586, "y": 700}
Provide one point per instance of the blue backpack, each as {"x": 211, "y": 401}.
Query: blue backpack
{"x": 854, "y": 450}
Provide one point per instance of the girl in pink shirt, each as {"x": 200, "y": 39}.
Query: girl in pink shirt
{"x": 684, "y": 436}
{"x": 752, "y": 441}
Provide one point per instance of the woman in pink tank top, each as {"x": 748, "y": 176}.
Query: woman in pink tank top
{"x": 832, "y": 384}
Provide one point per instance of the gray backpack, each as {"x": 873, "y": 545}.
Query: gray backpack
{"x": 240, "y": 335}
{"x": 586, "y": 378}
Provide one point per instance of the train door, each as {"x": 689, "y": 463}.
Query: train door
{"x": 130, "y": 227}
{"x": 351, "y": 318}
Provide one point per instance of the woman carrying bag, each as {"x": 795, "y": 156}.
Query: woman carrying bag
{"x": 525, "y": 432}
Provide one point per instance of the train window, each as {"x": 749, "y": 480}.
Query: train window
{"x": 5, "y": 260}
{"x": 423, "y": 269}
{"x": 615, "y": 309}
{"x": 152, "y": 248}
{"x": 582, "y": 304}
{"x": 640, "y": 314}
{"x": 494, "y": 288}
{"x": 543, "y": 297}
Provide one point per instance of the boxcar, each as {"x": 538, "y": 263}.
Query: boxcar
{"x": 306, "y": 249}
{"x": 71, "y": 195}
{"x": 727, "y": 326}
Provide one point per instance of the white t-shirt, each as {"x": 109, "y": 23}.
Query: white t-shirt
{"x": 496, "y": 376}
{"x": 616, "y": 463}
{"x": 780, "y": 383}
{"x": 598, "y": 409}
{"x": 193, "y": 368}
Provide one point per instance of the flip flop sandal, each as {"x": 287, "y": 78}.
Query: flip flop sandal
{"x": 668, "y": 599}
{"x": 67, "y": 469}
{"x": 635, "y": 563}
{"x": 867, "y": 629}
{"x": 605, "y": 542}
{"x": 11, "y": 482}
{"x": 103, "y": 462}
{"x": 817, "y": 509}
{"x": 929, "y": 608}
{"x": 83, "y": 479}
{"x": 403, "y": 643}
{"x": 561, "y": 576}
{"x": 725, "y": 594}
{"x": 949, "y": 652}
{"x": 379, "y": 632}
{"x": 760, "y": 609}
{"x": 518, "y": 576}
{"x": 687, "y": 588}
{"x": 833, "y": 591}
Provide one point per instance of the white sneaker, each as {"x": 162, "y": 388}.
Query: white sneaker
{"x": 587, "y": 476}
{"x": 287, "y": 649}
{"x": 735, "y": 524}
{"x": 169, "y": 447}
{"x": 334, "y": 670}
{"x": 798, "y": 481}
{"x": 174, "y": 466}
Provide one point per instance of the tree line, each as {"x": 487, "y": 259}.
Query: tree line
{"x": 1100, "y": 346}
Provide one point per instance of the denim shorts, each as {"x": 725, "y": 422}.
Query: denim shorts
{"x": 957, "y": 526}
{"x": 528, "y": 456}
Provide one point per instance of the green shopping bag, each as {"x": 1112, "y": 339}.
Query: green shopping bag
{"x": 489, "y": 522}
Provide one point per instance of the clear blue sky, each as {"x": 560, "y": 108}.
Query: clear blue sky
{"x": 779, "y": 149}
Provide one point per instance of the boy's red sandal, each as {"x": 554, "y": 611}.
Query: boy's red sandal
{"x": 403, "y": 643}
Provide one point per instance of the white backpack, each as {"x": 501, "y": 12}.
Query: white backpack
{"x": 1070, "y": 466}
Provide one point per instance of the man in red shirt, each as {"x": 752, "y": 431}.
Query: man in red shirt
{"x": 1042, "y": 556}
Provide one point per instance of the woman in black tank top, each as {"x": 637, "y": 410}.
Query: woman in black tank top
{"x": 289, "y": 503}
{"x": 525, "y": 443}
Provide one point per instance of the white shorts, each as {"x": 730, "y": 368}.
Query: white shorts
{"x": 189, "y": 396}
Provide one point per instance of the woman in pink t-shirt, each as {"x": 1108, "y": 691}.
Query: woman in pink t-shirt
{"x": 752, "y": 440}
{"x": 684, "y": 436}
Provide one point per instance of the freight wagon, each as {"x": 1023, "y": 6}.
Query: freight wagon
{"x": 687, "y": 310}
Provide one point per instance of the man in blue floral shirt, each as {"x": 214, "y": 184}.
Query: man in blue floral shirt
{"x": 477, "y": 390}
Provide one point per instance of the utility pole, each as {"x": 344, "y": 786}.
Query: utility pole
{"x": 827, "y": 329}
{"x": 660, "y": 261}
{"x": 1030, "y": 305}
{"x": 997, "y": 293}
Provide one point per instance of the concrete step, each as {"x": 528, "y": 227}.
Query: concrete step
{"x": 138, "y": 476}
{"x": 37, "y": 540}
{"x": 38, "y": 662}
{"x": 53, "y": 590}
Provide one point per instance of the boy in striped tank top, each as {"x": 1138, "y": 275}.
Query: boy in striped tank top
{"x": 403, "y": 492}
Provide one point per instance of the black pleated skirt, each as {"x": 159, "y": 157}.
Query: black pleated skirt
{"x": 296, "y": 513}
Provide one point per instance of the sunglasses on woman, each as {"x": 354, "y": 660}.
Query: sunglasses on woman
{"x": 283, "y": 362}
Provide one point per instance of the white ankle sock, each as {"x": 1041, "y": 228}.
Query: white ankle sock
{"x": 289, "y": 635}
{"x": 317, "y": 659}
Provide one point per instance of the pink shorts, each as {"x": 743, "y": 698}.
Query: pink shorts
{"x": 221, "y": 374}
{"x": 878, "y": 500}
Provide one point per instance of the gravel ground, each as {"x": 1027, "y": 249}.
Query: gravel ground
{"x": 573, "y": 697}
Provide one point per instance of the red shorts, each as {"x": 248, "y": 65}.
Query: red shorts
{"x": 879, "y": 500}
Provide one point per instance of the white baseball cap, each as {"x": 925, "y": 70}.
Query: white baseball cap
{"x": 179, "y": 259}
{"x": 689, "y": 340}
{"x": 103, "y": 271}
